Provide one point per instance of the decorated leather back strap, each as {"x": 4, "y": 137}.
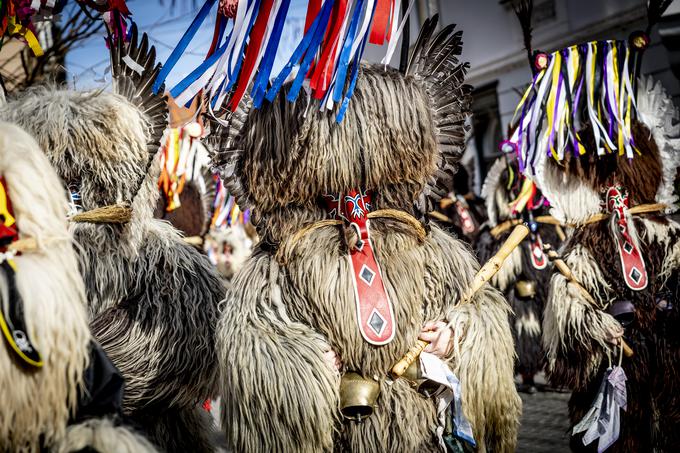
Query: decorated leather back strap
{"x": 12, "y": 320}
{"x": 374, "y": 310}
{"x": 538, "y": 259}
{"x": 632, "y": 263}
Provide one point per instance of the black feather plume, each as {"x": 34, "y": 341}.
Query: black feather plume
{"x": 524, "y": 10}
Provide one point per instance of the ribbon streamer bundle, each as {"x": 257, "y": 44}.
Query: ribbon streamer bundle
{"x": 115, "y": 14}
{"x": 226, "y": 210}
{"x": 592, "y": 82}
{"x": 246, "y": 41}
{"x": 18, "y": 18}
{"x": 179, "y": 161}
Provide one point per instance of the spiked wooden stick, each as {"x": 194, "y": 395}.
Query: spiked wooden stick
{"x": 564, "y": 270}
{"x": 484, "y": 275}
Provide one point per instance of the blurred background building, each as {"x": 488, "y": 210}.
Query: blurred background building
{"x": 499, "y": 69}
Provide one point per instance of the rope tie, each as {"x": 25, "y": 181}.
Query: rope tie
{"x": 291, "y": 242}
{"x": 114, "y": 214}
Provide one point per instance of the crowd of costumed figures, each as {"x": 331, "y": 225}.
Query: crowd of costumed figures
{"x": 269, "y": 257}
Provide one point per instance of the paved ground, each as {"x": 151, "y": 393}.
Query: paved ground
{"x": 544, "y": 423}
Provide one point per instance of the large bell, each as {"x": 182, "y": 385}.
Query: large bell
{"x": 414, "y": 376}
{"x": 358, "y": 396}
{"x": 525, "y": 289}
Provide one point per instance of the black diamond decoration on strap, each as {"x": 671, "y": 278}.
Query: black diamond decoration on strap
{"x": 376, "y": 322}
{"x": 627, "y": 247}
{"x": 367, "y": 275}
{"x": 635, "y": 275}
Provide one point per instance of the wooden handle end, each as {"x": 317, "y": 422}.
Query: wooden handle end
{"x": 411, "y": 356}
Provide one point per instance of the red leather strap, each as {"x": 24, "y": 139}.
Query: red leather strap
{"x": 467, "y": 222}
{"x": 632, "y": 263}
{"x": 538, "y": 258}
{"x": 374, "y": 312}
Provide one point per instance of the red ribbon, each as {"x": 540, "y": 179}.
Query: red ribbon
{"x": 323, "y": 70}
{"x": 312, "y": 11}
{"x": 381, "y": 20}
{"x": 256, "y": 38}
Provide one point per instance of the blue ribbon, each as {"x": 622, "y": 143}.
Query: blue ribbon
{"x": 198, "y": 72}
{"x": 343, "y": 63}
{"x": 182, "y": 45}
{"x": 353, "y": 82}
{"x": 297, "y": 54}
{"x": 311, "y": 51}
{"x": 262, "y": 77}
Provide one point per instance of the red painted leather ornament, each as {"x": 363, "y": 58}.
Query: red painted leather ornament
{"x": 374, "y": 312}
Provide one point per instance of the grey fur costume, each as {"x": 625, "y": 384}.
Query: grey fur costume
{"x": 292, "y": 301}
{"x": 37, "y": 405}
{"x": 153, "y": 299}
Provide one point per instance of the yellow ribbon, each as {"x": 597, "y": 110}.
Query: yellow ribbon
{"x": 15, "y": 28}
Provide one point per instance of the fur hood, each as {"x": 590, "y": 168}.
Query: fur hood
{"x": 401, "y": 137}
{"x": 37, "y": 405}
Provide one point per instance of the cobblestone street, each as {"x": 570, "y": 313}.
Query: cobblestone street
{"x": 544, "y": 423}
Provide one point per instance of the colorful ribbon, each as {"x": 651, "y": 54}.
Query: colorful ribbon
{"x": 553, "y": 107}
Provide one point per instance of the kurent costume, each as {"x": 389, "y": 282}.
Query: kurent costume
{"x": 510, "y": 199}
{"x": 602, "y": 146}
{"x": 461, "y": 212}
{"x": 153, "y": 299}
{"x": 58, "y": 390}
{"x": 339, "y": 191}
{"x": 186, "y": 183}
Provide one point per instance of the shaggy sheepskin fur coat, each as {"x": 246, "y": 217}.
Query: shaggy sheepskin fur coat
{"x": 575, "y": 334}
{"x": 153, "y": 299}
{"x": 294, "y": 298}
{"x": 41, "y": 408}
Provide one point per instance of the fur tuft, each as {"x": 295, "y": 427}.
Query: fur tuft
{"x": 36, "y": 405}
{"x": 657, "y": 112}
{"x": 102, "y": 436}
{"x": 495, "y": 194}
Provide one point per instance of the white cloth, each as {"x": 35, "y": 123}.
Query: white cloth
{"x": 434, "y": 369}
{"x": 603, "y": 420}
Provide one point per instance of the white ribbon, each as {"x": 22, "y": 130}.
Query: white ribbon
{"x": 396, "y": 34}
